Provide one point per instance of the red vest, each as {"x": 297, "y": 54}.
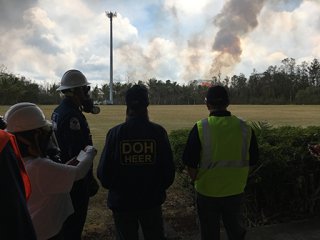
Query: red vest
{"x": 4, "y": 138}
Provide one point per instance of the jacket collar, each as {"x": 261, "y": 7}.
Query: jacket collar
{"x": 223, "y": 113}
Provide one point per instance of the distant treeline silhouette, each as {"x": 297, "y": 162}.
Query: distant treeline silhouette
{"x": 288, "y": 83}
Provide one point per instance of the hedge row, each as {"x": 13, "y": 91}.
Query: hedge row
{"x": 285, "y": 184}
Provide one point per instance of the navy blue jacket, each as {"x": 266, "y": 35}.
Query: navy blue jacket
{"x": 136, "y": 165}
{"x": 71, "y": 129}
{"x": 73, "y": 135}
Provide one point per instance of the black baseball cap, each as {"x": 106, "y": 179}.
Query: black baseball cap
{"x": 137, "y": 96}
{"x": 218, "y": 96}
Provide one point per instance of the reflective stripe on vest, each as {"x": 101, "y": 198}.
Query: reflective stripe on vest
{"x": 5, "y": 137}
{"x": 224, "y": 164}
{"x": 207, "y": 162}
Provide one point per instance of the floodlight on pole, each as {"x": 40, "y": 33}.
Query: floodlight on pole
{"x": 111, "y": 15}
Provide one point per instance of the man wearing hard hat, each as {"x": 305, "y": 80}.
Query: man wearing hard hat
{"x": 73, "y": 135}
{"x": 219, "y": 152}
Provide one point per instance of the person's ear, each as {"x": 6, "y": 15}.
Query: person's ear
{"x": 209, "y": 106}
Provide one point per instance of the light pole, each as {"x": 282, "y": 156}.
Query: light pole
{"x": 111, "y": 15}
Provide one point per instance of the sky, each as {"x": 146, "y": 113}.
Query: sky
{"x": 177, "y": 40}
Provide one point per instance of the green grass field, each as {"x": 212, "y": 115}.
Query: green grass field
{"x": 175, "y": 117}
{"x": 184, "y": 116}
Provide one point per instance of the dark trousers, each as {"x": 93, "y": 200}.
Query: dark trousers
{"x": 212, "y": 209}
{"x": 150, "y": 220}
{"x": 59, "y": 236}
{"x": 73, "y": 226}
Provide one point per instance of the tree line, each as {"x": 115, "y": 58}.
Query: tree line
{"x": 289, "y": 83}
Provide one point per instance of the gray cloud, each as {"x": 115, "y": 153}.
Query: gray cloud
{"x": 42, "y": 43}
{"x": 11, "y": 12}
{"x": 171, "y": 39}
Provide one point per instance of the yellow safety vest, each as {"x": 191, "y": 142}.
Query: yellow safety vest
{"x": 224, "y": 165}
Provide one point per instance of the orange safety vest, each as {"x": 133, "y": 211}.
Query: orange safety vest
{"x": 4, "y": 138}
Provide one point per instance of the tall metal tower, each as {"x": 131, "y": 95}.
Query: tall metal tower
{"x": 110, "y": 15}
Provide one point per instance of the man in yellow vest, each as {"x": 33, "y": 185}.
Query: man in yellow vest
{"x": 218, "y": 154}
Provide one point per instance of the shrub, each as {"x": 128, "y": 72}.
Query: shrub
{"x": 285, "y": 184}
{"x": 178, "y": 139}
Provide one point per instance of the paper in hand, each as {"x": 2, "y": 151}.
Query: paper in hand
{"x": 81, "y": 156}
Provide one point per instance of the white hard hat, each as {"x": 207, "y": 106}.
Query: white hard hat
{"x": 71, "y": 79}
{"x": 24, "y": 116}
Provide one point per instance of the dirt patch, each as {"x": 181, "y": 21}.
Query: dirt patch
{"x": 178, "y": 211}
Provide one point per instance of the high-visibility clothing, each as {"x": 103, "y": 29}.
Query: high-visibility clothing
{"x": 224, "y": 164}
{"x": 5, "y": 137}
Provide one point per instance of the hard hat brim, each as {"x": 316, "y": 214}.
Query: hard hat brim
{"x": 70, "y": 87}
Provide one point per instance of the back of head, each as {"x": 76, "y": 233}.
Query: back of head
{"x": 217, "y": 96}
{"x": 72, "y": 79}
{"x": 23, "y": 117}
{"x": 137, "y": 97}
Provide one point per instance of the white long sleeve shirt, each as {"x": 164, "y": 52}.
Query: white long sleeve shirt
{"x": 50, "y": 203}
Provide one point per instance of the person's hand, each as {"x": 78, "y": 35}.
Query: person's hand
{"x": 314, "y": 149}
{"x": 90, "y": 149}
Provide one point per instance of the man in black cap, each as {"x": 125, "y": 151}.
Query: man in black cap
{"x": 218, "y": 154}
{"x": 137, "y": 167}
